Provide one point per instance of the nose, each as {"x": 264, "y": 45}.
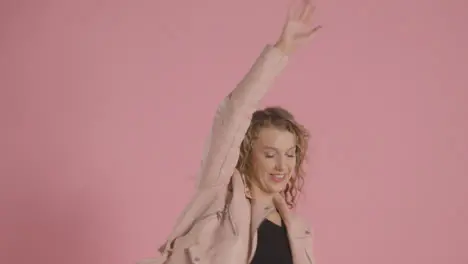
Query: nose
{"x": 281, "y": 164}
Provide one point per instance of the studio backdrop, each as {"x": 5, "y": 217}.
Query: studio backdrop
{"x": 105, "y": 106}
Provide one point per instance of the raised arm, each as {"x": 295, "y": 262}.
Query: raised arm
{"x": 233, "y": 115}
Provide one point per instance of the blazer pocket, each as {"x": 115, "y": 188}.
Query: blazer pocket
{"x": 196, "y": 254}
{"x": 202, "y": 229}
{"x": 308, "y": 243}
{"x": 157, "y": 260}
{"x": 309, "y": 256}
{"x": 304, "y": 239}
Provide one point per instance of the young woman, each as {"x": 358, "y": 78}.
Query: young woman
{"x": 250, "y": 175}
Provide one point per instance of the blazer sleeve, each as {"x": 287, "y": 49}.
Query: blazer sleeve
{"x": 233, "y": 116}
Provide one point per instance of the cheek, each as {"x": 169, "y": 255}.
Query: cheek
{"x": 292, "y": 164}
{"x": 292, "y": 167}
{"x": 263, "y": 164}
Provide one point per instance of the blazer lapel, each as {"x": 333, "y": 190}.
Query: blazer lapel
{"x": 297, "y": 232}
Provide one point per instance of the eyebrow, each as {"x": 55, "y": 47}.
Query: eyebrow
{"x": 273, "y": 148}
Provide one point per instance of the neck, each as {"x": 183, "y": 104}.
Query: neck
{"x": 260, "y": 196}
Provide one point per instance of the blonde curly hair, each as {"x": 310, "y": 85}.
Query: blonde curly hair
{"x": 280, "y": 118}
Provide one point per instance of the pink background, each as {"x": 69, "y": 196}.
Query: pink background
{"x": 105, "y": 106}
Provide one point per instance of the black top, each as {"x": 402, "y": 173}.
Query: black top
{"x": 273, "y": 244}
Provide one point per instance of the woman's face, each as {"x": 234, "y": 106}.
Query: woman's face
{"x": 274, "y": 160}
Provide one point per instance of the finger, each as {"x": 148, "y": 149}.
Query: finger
{"x": 305, "y": 10}
{"x": 308, "y": 17}
{"x": 292, "y": 13}
{"x": 311, "y": 32}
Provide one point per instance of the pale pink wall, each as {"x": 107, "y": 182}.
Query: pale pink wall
{"x": 105, "y": 106}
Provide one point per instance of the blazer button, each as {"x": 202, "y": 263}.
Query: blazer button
{"x": 307, "y": 232}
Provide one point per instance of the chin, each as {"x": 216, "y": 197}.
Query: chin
{"x": 276, "y": 190}
{"x": 275, "y": 187}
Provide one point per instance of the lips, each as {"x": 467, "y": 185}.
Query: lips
{"x": 278, "y": 177}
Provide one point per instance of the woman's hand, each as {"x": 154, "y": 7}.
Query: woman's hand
{"x": 298, "y": 27}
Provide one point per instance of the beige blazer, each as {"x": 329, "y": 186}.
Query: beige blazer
{"x": 219, "y": 225}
